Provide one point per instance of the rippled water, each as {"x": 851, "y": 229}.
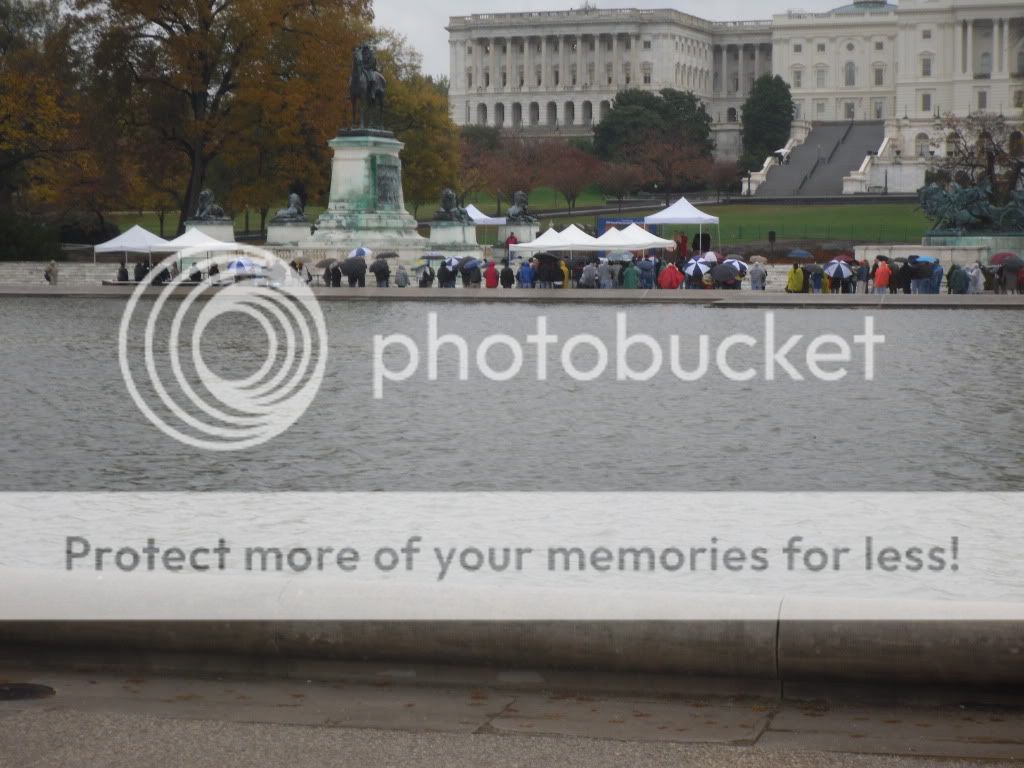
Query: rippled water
{"x": 944, "y": 412}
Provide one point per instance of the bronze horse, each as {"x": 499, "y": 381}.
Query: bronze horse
{"x": 367, "y": 86}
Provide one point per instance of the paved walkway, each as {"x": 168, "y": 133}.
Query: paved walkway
{"x": 394, "y": 717}
{"x": 577, "y": 296}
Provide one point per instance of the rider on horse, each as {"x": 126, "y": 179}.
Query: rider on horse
{"x": 367, "y": 85}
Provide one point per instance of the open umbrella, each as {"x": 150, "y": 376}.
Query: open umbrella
{"x": 325, "y": 263}
{"x": 387, "y": 255}
{"x": 758, "y": 259}
{"x": 847, "y": 257}
{"x": 545, "y": 255}
{"x": 724, "y": 273}
{"x": 925, "y": 259}
{"x": 740, "y": 265}
{"x": 1015, "y": 264}
{"x": 452, "y": 262}
{"x": 1001, "y": 258}
{"x": 469, "y": 263}
{"x": 882, "y": 258}
{"x": 710, "y": 257}
{"x": 433, "y": 256}
{"x": 362, "y": 250}
{"x": 697, "y": 268}
{"x": 838, "y": 269}
{"x": 353, "y": 265}
{"x": 810, "y": 269}
{"x": 800, "y": 255}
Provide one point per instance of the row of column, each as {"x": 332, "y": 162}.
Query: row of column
{"x": 965, "y": 54}
{"x": 722, "y": 71}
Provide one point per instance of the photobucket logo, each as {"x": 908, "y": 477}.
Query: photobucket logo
{"x": 245, "y": 288}
{"x": 825, "y": 357}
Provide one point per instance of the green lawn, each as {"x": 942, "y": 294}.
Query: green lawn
{"x": 882, "y": 223}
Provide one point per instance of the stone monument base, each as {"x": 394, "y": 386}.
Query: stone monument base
{"x": 992, "y": 243}
{"x": 444, "y": 233}
{"x": 524, "y": 233}
{"x": 366, "y": 206}
{"x": 218, "y": 229}
{"x": 288, "y": 233}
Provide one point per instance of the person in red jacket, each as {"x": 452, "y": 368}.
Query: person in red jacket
{"x": 883, "y": 275}
{"x": 491, "y": 275}
{"x": 670, "y": 277}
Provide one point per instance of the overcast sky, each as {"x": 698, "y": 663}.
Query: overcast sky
{"x": 423, "y": 23}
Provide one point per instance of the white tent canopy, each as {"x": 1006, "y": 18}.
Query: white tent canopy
{"x": 648, "y": 239}
{"x": 578, "y": 240}
{"x": 482, "y": 219}
{"x": 193, "y": 238}
{"x": 680, "y": 212}
{"x": 550, "y": 240}
{"x": 135, "y": 240}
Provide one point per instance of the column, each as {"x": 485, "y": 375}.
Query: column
{"x": 544, "y": 74}
{"x": 493, "y": 64}
{"x": 599, "y": 77}
{"x": 615, "y": 61}
{"x": 742, "y": 60}
{"x": 478, "y": 62}
{"x": 634, "y": 68}
{"x": 580, "y": 74}
{"x": 528, "y": 82}
{"x": 970, "y": 49}
{"x": 757, "y": 61}
{"x": 1007, "y": 66}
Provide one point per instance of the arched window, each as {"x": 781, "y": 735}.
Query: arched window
{"x": 605, "y": 108}
{"x": 921, "y": 145}
{"x": 986, "y": 63}
{"x": 517, "y": 115}
{"x": 730, "y": 116}
{"x": 850, "y": 74}
{"x": 552, "y": 115}
{"x": 499, "y": 115}
{"x": 569, "y": 113}
{"x": 481, "y": 114}
{"x": 588, "y": 113}
{"x": 534, "y": 113}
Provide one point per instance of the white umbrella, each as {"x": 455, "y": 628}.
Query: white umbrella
{"x": 840, "y": 268}
{"x": 697, "y": 266}
{"x": 741, "y": 265}
{"x": 710, "y": 257}
{"x": 362, "y": 250}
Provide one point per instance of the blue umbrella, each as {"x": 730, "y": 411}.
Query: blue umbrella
{"x": 800, "y": 254}
{"x": 929, "y": 259}
{"x": 469, "y": 263}
{"x": 697, "y": 266}
{"x": 362, "y": 251}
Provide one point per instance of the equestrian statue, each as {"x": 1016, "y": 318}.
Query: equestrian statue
{"x": 367, "y": 86}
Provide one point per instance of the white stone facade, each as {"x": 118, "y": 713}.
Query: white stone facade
{"x": 557, "y": 72}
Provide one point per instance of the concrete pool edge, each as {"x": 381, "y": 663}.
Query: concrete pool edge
{"x": 936, "y": 652}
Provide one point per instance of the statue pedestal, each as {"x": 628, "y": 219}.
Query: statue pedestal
{"x": 288, "y": 232}
{"x": 218, "y": 229}
{"x": 444, "y": 233}
{"x": 366, "y": 206}
{"x": 524, "y": 233}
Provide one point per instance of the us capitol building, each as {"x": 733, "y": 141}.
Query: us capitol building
{"x": 556, "y": 73}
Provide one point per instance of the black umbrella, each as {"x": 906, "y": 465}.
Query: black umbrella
{"x": 545, "y": 255}
{"x": 724, "y": 273}
{"x": 1014, "y": 264}
{"x": 353, "y": 265}
{"x": 811, "y": 268}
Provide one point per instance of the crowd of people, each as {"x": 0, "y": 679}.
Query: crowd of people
{"x": 913, "y": 275}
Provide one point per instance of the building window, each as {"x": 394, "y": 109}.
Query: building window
{"x": 504, "y": 80}
{"x": 849, "y": 110}
{"x": 798, "y": 48}
{"x": 469, "y": 79}
{"x": 878, "y": 107}
{"x": 926, "y": 34}
{"x": 820, "y": 108}
{"x": 1018, "y": 99}
{"x": 982, "y": 100}
{"x": 821, "y": 47}
{"x": 647, "y": 45}
{"x": 849, "y": 47}
{"x": 647, "y": 78}
{"x": 850, "y": 73}
{"x": 879, "y": 45}
{"x": 879, "y": 76}
{"x": 555, "y": 74}
{"x": 469, "y": 49}
{"x": 798, "y": 110}
{"x": 821, "y": 77}
{"x": 730, "y": 116}
{"x": 926, "y": 102}
{"x": 921, "y": 145}
{"x": 487, "y": 79}
{"x": 926, "y": 66}
{"x": 798, "y": 78}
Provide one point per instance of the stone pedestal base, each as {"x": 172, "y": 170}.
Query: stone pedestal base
{"x": 290, "y": 233}
{"x": 366, "y": 206}
{"x": 219, "y": 229}
{"x": 524, "y": 233}
{"x": 444, "y": 233}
